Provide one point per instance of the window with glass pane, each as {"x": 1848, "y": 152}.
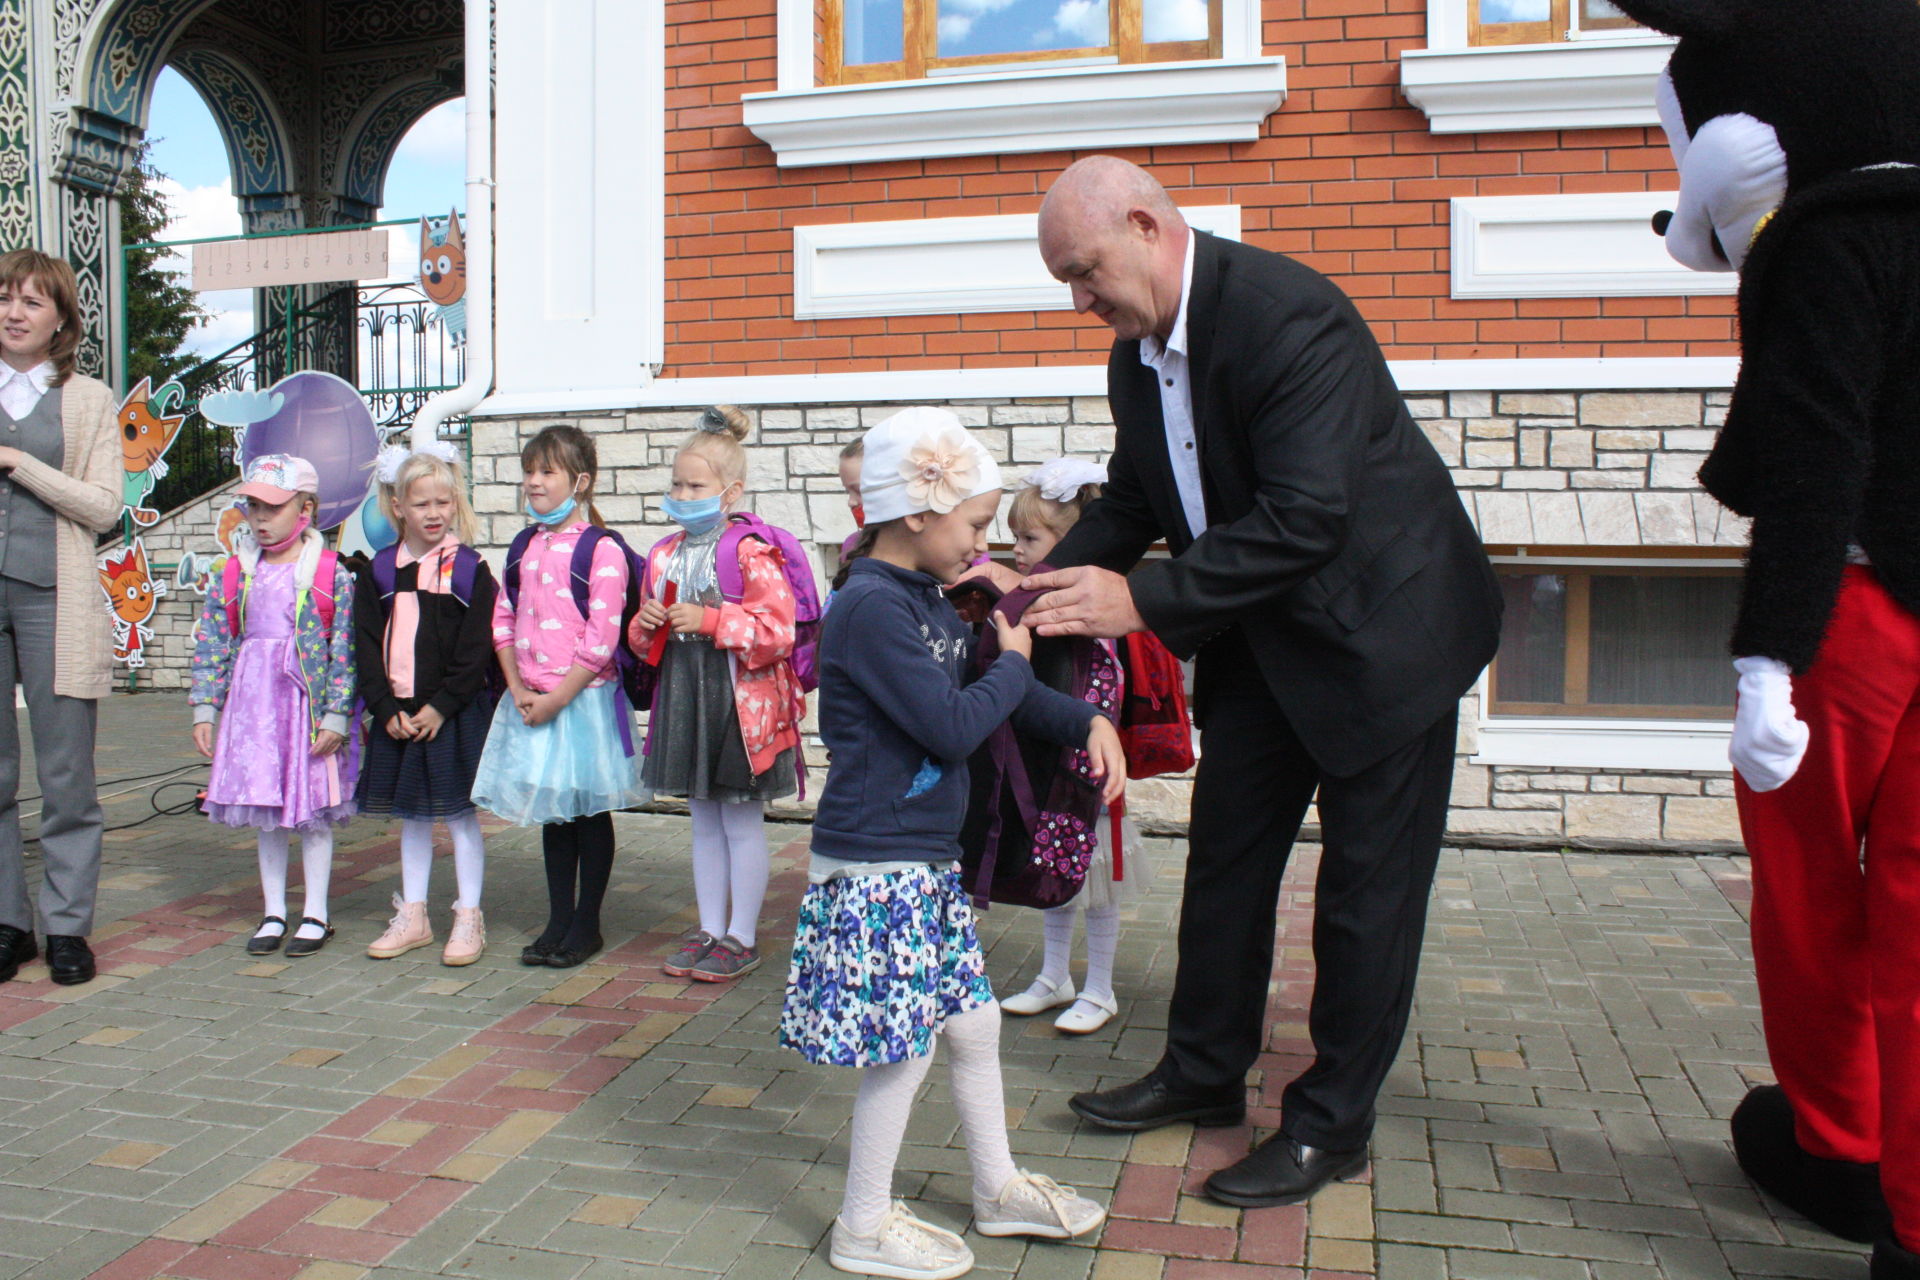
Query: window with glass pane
{"x": 1542, "y": 21}
{"x": 872, "y": 40}
{"x": 1615, "y": 642}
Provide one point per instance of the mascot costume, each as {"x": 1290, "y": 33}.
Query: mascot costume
{"x": 1796, "y": 128}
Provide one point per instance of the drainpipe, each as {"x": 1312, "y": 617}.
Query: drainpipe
{"x": 478, "y": 232}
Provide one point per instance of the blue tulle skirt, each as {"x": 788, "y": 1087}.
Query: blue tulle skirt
{"x": 572, "y": 766}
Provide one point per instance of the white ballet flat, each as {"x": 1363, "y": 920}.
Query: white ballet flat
{"x": 1089, "y": 1014}
{"x": 1038, "y": 998}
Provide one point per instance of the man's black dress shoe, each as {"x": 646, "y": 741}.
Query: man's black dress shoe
{"x": 1891, "y": 1262}
{"x": 1282, "y": 1171}
{"x": 1841, "y": 1196}
{"x": 572, "y": 957}
{"x": 69, "y": 959}
{"x": 16, "y": 949}
{"x": 1150, "y": 1102}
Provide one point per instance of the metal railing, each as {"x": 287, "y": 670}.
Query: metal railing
{"x": 388, "y": 340}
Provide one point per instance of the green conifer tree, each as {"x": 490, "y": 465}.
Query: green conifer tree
{"x": 161, "y": 309}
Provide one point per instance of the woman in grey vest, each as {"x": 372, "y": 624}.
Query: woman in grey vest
{"x": 60, "y": 481}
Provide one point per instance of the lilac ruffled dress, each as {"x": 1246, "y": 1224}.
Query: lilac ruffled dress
{"x": 265, "y": 774}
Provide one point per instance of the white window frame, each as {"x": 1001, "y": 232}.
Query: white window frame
{"x": 997, "y": 111}
{"x": 1602, "y": 80}
{"x": 1572, "y": 245}
{"x": 1601, "y": 742}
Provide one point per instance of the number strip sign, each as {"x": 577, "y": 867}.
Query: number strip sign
{"x": 274, "y": 260}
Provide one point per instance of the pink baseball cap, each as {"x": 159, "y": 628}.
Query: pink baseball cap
{"x": 276, "y": 477}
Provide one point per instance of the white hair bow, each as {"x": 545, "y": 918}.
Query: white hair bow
{"x": 1062, "y": 479}
{"x": 386, "y": 467}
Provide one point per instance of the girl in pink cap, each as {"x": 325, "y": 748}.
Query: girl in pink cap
{"x": 273, "y": 666}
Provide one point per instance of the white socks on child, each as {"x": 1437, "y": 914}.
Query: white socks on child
{"x": 886, "y": 1100}
{"x": 1103, "y": 942}
{"x": 416, "y": 859}
{"x": 730, "y": 865}
{"x": 316, "y": 862}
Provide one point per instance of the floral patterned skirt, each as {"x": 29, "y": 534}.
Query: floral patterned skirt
{"x": 880, "y": 962}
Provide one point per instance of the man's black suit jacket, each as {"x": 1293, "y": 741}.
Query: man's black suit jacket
{"x": 1335, "y": 539}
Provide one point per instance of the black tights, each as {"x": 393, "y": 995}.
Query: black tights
{"x": 580, "y": 851}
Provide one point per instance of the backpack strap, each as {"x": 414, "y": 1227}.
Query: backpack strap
{"x": 466, "y": 566}
{"x": 323, "y": 600}
{"x": 386, "y": 573}
{"x": 580, "y": 569}
{"x": 510, "y": 579}
{"x": 726, "y": 559}
{"x": 231, "y": 588}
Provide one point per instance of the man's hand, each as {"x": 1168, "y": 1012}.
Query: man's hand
{"x": 1083, "y": 601}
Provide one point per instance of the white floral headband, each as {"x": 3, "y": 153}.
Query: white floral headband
{"x": 922, "y": 459}
{"x": 386, "y": 467}
{"x": 1062, "y": 479}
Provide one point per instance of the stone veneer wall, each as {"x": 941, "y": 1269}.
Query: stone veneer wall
{"x": 1592, "y": 470}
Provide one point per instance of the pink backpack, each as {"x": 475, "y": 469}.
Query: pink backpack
{"x": 322, "y": 595}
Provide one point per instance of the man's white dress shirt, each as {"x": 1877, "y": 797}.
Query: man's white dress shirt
{"x": 1168, "y": 360}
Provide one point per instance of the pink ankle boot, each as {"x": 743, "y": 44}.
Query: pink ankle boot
{"x": 407, "y": 931}
{"x": 467, "y": 939}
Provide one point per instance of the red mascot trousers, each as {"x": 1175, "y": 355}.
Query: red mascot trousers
{"x": 1836, "y": 935}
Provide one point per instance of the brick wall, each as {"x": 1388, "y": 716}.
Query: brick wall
{"x": 1346, "y": 177}
{"x": 1598, "y": 469}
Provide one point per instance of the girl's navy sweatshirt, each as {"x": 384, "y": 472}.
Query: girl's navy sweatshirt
{"x": 900, "y": 720}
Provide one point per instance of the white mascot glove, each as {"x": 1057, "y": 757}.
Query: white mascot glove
{"x": 1769, "y": 740}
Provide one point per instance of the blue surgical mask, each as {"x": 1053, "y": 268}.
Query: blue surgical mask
{"x": 695, "y": 517}
{"x": 555, "y": 518}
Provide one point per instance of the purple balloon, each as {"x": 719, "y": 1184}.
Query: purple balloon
{"x": 325, "y": 420}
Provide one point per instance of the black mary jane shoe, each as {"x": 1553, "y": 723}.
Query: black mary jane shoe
{"x": 16, "y": 949}
{"x": 266, "y": 945}
{"x": 537, "y": 953}
{"x": 1149, "y": 1102}
{"x": 565, "y": 957}
{"x": 69, "y": 959}
{"x": 1892, "y": 1262}
{"x": 298, "y": 946}
{"x": 1282, "y": 1170}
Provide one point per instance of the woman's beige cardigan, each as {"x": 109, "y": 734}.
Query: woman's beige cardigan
{"x": 85, "y": 493}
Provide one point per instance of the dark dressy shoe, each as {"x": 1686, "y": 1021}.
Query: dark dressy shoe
{"x": 1891, "y": 1262}
{"x": 1150, "y": 1102}
{"x": 1282, "y": 1171}
{"x": 69, "y": 959}
{"x": 266, "y": 944}
{"x": 16, "y": 948}
{"x": 538, "y": 952}
{"x": 1841, "y": 1196}
{"x": 298, "y": 946}
{"x": 571, "y": 955}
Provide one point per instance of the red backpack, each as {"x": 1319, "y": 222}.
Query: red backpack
{"x": 1154, "y": 728}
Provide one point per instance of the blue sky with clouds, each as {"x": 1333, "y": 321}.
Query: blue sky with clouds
{"x": 426, "y": 176}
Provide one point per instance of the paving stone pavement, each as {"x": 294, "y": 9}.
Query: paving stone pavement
{"x": 1585, "y": 1024}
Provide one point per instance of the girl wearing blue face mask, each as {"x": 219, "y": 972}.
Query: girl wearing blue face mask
{"x": 725, "y": 720}
{"x": 558, "y": 752}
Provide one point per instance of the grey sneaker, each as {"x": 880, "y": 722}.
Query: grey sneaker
{"x": 1035, "y": 1205}
{"x": 693, "y": 949}
{"x": 726, "y": 960}
{"x": 903, "y": 1248}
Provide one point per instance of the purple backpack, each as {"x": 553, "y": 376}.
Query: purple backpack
{"x": 798, "y": 568}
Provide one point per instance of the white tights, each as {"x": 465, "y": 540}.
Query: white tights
{"x": 416, "y": 858}
{"x": 886, "y": 1099}
{"x": 1103, "y": 940}
{"x": 730, "y": 864}
{"x": 316, "y": 861}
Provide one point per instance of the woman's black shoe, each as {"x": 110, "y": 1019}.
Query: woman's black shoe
{"x": 566, "y": 957}
{"x": 537, "y": 953}
{"x": 259, "y": 945}
{"x": 298, "y": 946}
